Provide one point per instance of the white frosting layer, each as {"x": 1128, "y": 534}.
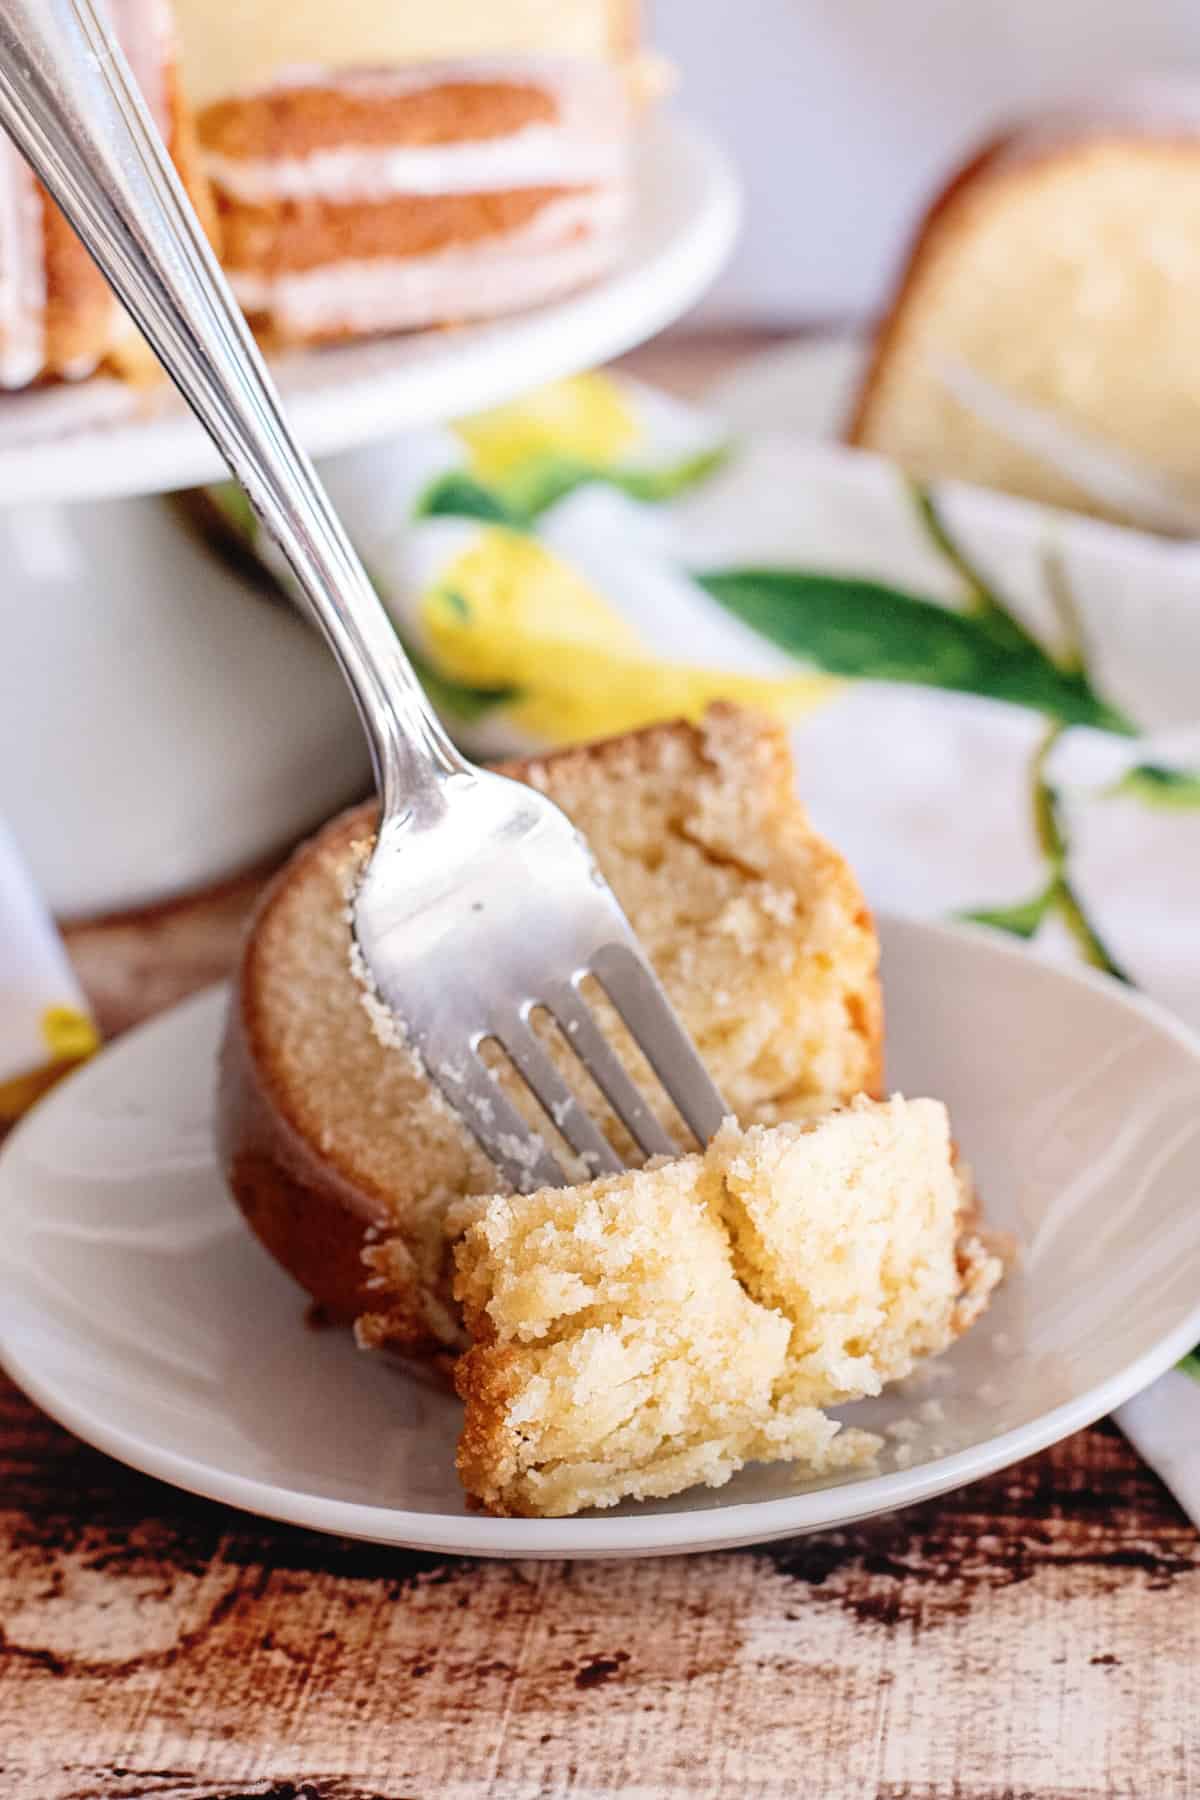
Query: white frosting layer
{"x": 571, "y": 241}
{"x": 586, "y": 145}
{"x": 146, "y": 33}
{"x": 539, "y": 156}
{"x": 144, "y": 30}
{"x": 22, "y": 271}
{"x": 566, "y": 78}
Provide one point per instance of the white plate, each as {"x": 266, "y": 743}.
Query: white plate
{"x": 685, "y": 219}
{"x": 136, "y": 1309}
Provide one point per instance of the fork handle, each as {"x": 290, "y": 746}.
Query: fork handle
{"x": 70, "y": 104}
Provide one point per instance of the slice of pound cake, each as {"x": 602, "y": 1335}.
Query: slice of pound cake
{"x": 757, "y": 928}
{"x": 649, "y": 1331}
{"x": 1060, "y": 266}
{"x": 369, "y": 200}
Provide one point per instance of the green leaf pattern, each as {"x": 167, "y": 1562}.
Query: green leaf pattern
{"x": 542, "y": 481}
{"x": 879, "y": 633}
{"x": 1166, "y": 790}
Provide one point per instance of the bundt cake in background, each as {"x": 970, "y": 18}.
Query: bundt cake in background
{"x": 1061, "y": 266}
{"x": 58, "y": 317}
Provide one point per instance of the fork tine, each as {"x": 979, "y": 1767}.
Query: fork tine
{"x": 502, "y": 1134}
{"x": 570, "y": 1117}
{"x": 635, "y": 991}
{"x": 594, "y": 1051}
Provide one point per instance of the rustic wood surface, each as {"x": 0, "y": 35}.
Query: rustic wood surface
{"x": 1033, "y": 1637}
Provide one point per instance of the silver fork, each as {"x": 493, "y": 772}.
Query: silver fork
{"x": 480, "y": 904}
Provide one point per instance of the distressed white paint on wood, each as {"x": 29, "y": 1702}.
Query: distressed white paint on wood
{"x": 1035, "y": 1635}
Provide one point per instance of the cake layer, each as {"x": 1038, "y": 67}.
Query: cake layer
{"x": 226, "y": 50}
{"x": 564, "y": 247}
{"x": 648, "y": 1331}
{"x": 295, "y": 239}
{"x": 451, "y": 128}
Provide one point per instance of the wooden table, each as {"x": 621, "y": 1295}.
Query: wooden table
{"x": 1036, "y": 1635}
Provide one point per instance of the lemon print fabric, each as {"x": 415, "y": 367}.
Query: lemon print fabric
{"x": 528, "y": 560}
{"x": 45, "y": 1026}
{"x": 518, "y": 461}
{"x": 588, "y": 418}
{"x": 69, "y": 1033}
{"x": 69, "y": 1036}
{"x": 507, "y": 618}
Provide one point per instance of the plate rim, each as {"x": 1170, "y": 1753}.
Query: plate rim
{"x": 680, "y": 1531}
{"x": 631, "y": 303}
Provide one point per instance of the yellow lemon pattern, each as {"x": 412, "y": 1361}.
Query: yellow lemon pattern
{"x": 586, "y": 417}
{"x": 69, "y": 1034}
{"x": 509, "y": 616}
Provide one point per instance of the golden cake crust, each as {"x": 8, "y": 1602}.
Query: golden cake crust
{"x": 318, "y": 1198}
{"x": 301, "y": 119}
{"x": 938, "y": 224}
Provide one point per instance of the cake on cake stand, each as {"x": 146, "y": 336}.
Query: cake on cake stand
{"x": 180, "y": 727}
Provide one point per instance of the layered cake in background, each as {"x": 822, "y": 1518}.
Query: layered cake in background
{"x": 385, "y": 167}
{"x": 378, "y": 167}
{"x": 385, "y": 199}
{"x": 1061, "y": 268}
{"x": 58, "y": 317}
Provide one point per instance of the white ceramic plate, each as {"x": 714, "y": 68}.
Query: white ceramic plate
{"x": 61, "y": 445}
{"x": 137, "y": 1310}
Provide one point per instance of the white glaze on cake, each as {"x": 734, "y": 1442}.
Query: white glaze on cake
{"x": 538, "y": 156}
{"x": 22, "y": 271}
{"x": 146, "y": 34}
{"x": 144, "y": 30}
{"x": 572, "y": 240}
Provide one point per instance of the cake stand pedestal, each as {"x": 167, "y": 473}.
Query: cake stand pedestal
{"x": 163, "y": 726}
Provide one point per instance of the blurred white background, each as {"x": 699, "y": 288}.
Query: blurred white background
{"x": 844, "y": 114}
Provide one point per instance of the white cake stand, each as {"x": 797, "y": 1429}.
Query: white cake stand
{"x": 161, "y": 725}
{"x": 81, "y": 444}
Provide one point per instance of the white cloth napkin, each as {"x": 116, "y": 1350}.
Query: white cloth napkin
{"x": 996, "y": 707}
